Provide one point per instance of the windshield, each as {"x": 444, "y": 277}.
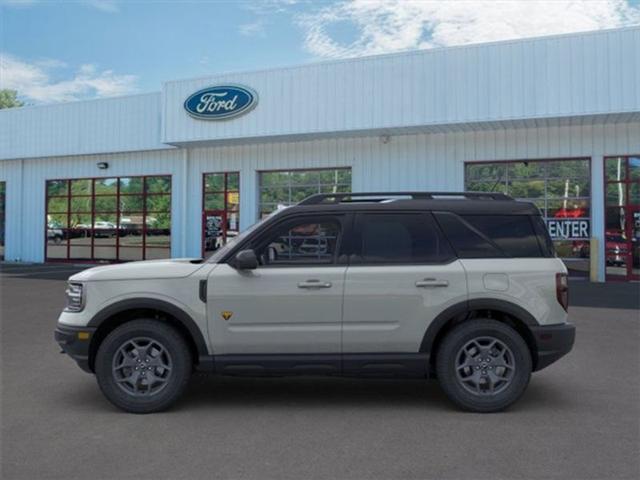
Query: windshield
{"x": 220, "y": 253}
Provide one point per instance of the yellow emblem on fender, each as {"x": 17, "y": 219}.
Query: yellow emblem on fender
{"x": 226, "y": 314}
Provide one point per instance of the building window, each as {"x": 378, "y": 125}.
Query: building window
{"x": 3, "y": 187}
{"x": 287, "y": 187}
{"x": 220, "y": 209}
{"x": 622, "y": 217}
{"x": 109, "y": 219}
{"x": 560, "y": 188}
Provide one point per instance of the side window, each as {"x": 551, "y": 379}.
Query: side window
{"x": 514, "y": 234}
{"x": 306, "y": 241}
{"x": 400, "y": 238}
{"x": 467, "y": 241}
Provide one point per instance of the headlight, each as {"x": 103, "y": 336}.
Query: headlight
{"x": 75, "y": 297}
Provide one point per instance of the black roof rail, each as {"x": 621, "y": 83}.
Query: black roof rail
{"x": 386, "y": 196}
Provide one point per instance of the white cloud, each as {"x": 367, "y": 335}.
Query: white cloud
{"x": 34, "y": 82}
{"x": 394, "y": 25}
{"x": 252, "y": 29}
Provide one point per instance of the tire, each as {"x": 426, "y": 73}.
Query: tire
{"x": 479, "y": 385}
{"x": 143, "y": 366}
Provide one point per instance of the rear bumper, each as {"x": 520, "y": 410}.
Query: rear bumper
{"x": 74, "y": 345}
{"x": 552, "y": 343}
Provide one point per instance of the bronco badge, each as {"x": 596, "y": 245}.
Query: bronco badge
{"x": 226, "y": 314}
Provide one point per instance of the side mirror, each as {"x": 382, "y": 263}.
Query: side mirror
{"x": 246, "y": 260}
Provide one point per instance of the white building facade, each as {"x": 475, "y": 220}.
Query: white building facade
{"x": 554, "y": 120}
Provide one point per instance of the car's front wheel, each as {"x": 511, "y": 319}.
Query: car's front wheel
{"x": 143, "y": 366}
{"x": 483, "y": 365}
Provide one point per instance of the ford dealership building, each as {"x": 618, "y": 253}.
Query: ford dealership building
{"x": 176, "y": 173}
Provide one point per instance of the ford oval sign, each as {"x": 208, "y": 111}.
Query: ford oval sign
{"x": 221, "y": 102}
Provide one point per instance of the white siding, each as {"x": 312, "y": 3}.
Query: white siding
{"x": 555, "y": 77}
{"x": 96, "y": 126}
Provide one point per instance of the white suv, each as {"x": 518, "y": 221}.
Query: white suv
{"x": 461, "y": 287}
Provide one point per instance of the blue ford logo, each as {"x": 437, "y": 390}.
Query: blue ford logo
{"x": 221, "y": 102}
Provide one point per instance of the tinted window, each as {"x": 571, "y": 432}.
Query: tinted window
{"x": 468, "y": 242}
{"x": 401, "y": 238}
{"x": 513, "y": 234}
{"x": 302, "y": 242}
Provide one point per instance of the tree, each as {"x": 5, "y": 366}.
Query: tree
{"x": 9, "y": 99}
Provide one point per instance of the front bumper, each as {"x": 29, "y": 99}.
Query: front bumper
{"x": 75, "y": 342}
{"x": 552, "y": 343}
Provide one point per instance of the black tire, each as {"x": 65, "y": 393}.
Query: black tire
{"x": 458, "y": 391}
{"x": 144, "y": 332}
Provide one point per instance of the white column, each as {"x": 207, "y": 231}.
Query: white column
{"x": 249, "y": 197}
{"x": 597, "y": 210}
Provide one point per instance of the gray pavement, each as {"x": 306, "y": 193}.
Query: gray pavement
{"x": 579, "y": 419}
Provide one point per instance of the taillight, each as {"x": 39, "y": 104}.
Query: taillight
{"x": 562, "y": 290}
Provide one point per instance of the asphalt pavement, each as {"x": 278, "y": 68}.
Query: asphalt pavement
{"x": 579, "y": 419}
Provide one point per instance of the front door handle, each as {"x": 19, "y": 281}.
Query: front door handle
{"x": 311, "y": 284}
{"x": 431, "y": 283}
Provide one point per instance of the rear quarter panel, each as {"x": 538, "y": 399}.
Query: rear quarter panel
{"x": 527, "y": 282}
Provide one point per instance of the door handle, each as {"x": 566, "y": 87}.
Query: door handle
{"x": 431, "y": 283}
{"x": 311, "y": 284}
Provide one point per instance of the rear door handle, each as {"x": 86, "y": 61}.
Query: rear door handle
{"x": 431, "y": 283}
{"x": 311, "y": 284}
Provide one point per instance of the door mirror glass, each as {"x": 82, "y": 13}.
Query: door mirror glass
{"x": 246, "y": 260}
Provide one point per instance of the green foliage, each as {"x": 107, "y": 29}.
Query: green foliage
{"x": 9, "y": 99}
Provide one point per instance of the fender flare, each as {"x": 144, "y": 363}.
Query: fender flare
{"x": 464, "y": 308}
{"x": 154, "y": 304}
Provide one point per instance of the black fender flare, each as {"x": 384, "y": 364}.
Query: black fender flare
{"x": 464, "y": 308}
{"x": 154, "y": 304}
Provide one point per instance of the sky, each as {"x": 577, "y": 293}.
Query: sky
{"x": 56, "y": 51}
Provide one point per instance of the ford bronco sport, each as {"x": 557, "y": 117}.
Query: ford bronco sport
{"x": 462, "y": 287}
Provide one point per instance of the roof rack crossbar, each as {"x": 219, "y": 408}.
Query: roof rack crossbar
{"x": 371, "y": 196}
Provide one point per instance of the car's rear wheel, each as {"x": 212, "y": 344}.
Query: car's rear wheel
{"x": 143, "y": 366}
{"x": 483, "y": 365}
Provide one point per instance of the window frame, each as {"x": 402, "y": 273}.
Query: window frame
{"x": 355, "y": 258}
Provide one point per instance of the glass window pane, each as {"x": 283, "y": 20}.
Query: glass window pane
{"x": 57, "y": 187}
{"x": 526, "y": 188}
{"x": 634, "y": 193}
{"x": 520, "y": 170}
{"x": 130, "y": 254}
{"x": 106, "y": 204}
{"x": 81, "y": 187}
{"x": 214, "y": 201}
{"x": 615, "y": 168}
{"x": 159, "y": 220}
{"x": 81, "y": 204}
{"x": 131, "y": 203}
{"x": 466, "y": 242}
{"x": 56, "y": 244}
{"x": 80, "y": 252}
{"x": 305, "y": 177}
{"x": 568, "y": 168}
{"x": 233, "y": 181}
{"x": 131, "y": 185}
{"x": 158, "y": 238}
{"x": 485, "y": 172}
{"x": 634, "y": 168}
{"x": 274, "y": 178}
{"x": 158, "y": 203}
{"x": 157, "y": 253}
{"x": 105, "y": 220}
{"x": 569, "y": 187}
{"x": 616, "y": 194}
{"x": 233, "y": 200}
{"x": 80, "y": 220}
{"x": 57, "y": 204}
{"x": 158, "y": 184}
{"x": 513, "y": 234}
{"x": 104, "y": 252}
{"x": 57, "y": 220}
{"x": 305, "y": 242}
{"x": 214, "y": 182}
{"x": 130, "y": 236}
{"x": 571, "y": 208}
{"x": 401, "y": 238}
{"x": 106, "y": 186}
{"x": 300, "y": 193}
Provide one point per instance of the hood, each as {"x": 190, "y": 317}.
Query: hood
{"x": 145, "y": 270}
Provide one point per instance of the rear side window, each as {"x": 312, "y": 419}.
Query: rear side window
{"x": 400, "y": 238}
{"x": 485, "y": 236}
{"x": 513, "y": 234}
{"x": 467, "y": 241}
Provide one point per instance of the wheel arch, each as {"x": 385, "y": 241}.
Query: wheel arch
{"x": 506, "y": 312}
{"x": 123, "y": 311}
